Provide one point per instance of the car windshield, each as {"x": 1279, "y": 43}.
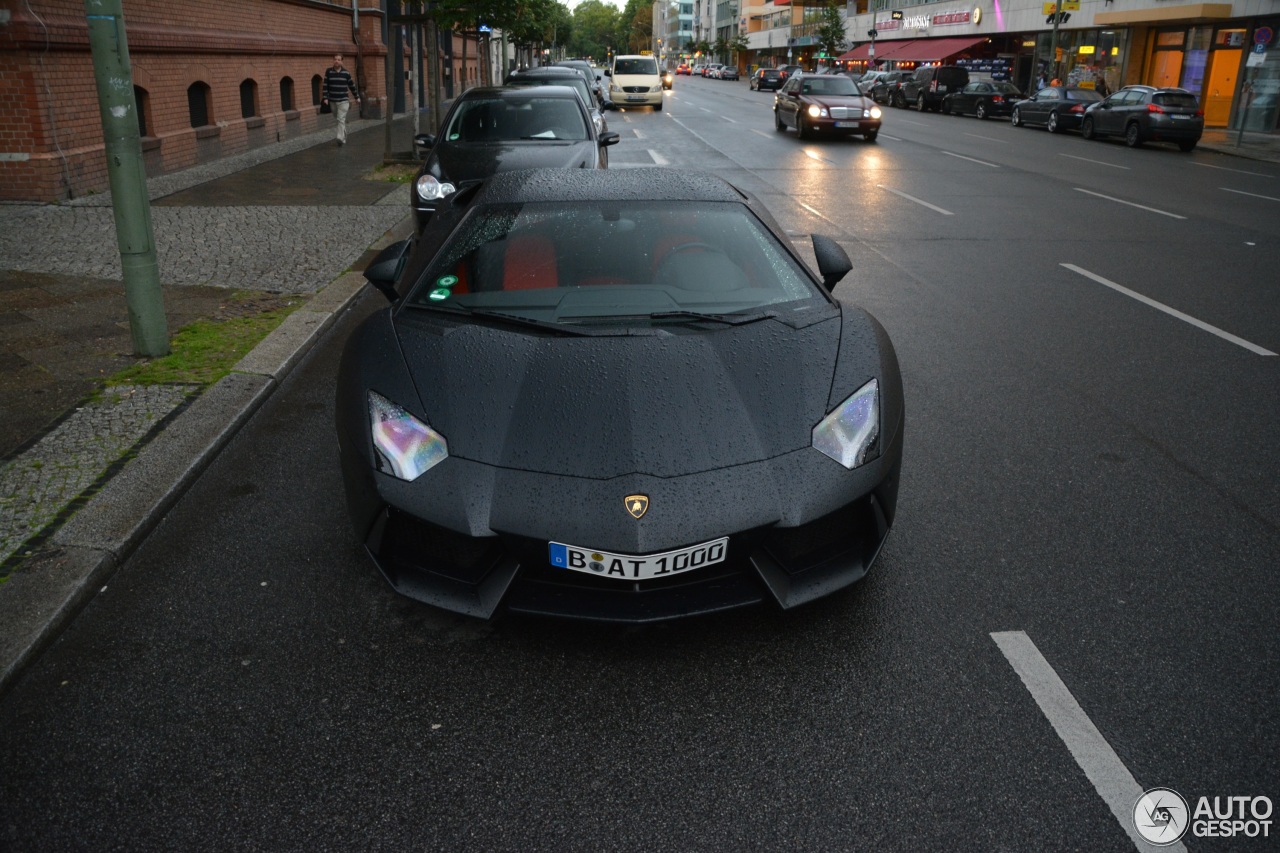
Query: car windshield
{"x": 606, "y": 263}
{"x": 1086, "y": 95}
{"x": 1175, "y": 99}
{"x": 1005, "y": 88}
{"x": 832, "y": 85}
{"x": 641, "y": 65}
{"x": 509, "y": 119}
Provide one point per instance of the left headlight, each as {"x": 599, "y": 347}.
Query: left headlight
{"x": 815, "y": 110}
{"x": 430, "y": 189}
{"x": 850, "y": 434}
{"x": 404, "y": 446}
{"x": 874, "y": 112}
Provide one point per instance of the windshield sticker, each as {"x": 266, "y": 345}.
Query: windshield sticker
{"x": 438, "y": 294}
{"x": 446, "y": 281}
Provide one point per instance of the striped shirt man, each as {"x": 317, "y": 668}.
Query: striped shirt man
{"x": 337, "y": 83}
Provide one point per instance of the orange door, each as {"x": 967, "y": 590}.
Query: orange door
{"x": 1165, "y": 68}
{"x": 1219, "y": 87}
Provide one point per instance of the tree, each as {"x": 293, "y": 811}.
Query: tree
{"x": 829, "y": 34}
{"x": 720, "y": 48}
{"x": 594, "y": 26}
{"x": 738, "y": 44}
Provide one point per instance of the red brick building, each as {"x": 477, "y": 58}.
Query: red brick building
{"x": 212, "y": 78}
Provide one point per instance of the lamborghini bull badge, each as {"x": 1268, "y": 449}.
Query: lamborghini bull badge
{"x": 637, "y": 504}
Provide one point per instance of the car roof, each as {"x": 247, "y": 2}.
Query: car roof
{"x": 553, "y": 185}
{"x": 548, "y": 70}
{"x": 519, "y": 92}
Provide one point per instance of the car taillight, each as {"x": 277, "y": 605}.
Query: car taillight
{"x": 997, "y": 99}
{"x": 1199, "y": 113}
{"x": 1155, "y": 108}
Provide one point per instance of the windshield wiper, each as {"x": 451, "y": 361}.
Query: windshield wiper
{"x": 727, "y": 319}
{"x": 513, "y": 319}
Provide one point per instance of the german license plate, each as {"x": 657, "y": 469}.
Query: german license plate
{"x": 635, "y": 97}
{"x": 642, "y": 567}
{"x": 848, "y": 124}
{"x": 1177, "y": 117}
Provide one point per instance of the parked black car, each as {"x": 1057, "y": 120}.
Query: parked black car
{"x": 982, "y": 98}
{"x": 887, "y": 89}
{"x": 555, "y": 75}
{"x": 928, "y": 86}
{"x": 1055, "y": 107}
{"x": 770, "y": 79}
{"x": 1146, "y": 114}
{"x": 499, "y": 129}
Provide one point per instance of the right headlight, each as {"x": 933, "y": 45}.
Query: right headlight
{"x": 404, "y": 446}
{"x": 430, "y": 189}
{"x": 850, "y": 434}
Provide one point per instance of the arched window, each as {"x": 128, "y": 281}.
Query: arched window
{"x": 316, "y": 82}
{"x": 248, "y": 99}
{"x": 286, "y": 93}
{"x": 144, "y": 108}
{"x": 199, "y": 104}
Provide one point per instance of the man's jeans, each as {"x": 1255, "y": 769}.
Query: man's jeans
{"x": 340, "y": 113}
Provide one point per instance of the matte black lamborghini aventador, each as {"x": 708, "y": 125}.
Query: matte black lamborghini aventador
{"x": 616, "y": 396}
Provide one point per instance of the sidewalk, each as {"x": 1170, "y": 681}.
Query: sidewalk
{"x": 1254, "y": 146}
{"x": 84, "y": 475}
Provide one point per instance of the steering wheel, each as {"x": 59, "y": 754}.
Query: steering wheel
{"x": 684, "y": 247}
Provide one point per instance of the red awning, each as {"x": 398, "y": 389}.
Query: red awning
{"x": 884, "y": 50}
{"x": 932, "y": 50}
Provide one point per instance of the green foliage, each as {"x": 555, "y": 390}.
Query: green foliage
{"x": 594, "y": 26}
{"x": 829, "y": 34}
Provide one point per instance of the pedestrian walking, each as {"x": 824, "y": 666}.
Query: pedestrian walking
{"x": 1100, "y": 86}
{"x": 1041, "y": 81}
{"x": 337, "y": 84}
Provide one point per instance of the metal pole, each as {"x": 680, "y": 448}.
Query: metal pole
{"x": 1053, "y": 41}
{"x": 128, "y": 177}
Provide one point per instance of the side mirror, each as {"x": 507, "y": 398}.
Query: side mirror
{"x": 608, "y": 73}
{"x": 386, "y": 267}
{"x": 423, "y": 142}
{"x": 608, "y": 105}
{"x": 609, "y": 137}
{"x": 833, "y": 261}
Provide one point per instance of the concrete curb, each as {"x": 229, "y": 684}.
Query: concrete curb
{"x": 45, "y": 593}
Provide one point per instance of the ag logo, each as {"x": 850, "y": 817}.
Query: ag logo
{"x": 637, "y": 505}
{"x": 1160, "y": 816}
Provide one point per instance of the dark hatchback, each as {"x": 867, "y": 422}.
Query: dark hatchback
{"x": 825, "y": 105}
{"x": 1055, "y": 107}
{"x": 766, "y": 79}
{"x": 983, "y": 99}
{"x": 616, "y": 395}
{"x": 1146, "y": 114}
{"x": 887, "y": 89}
{"x": 491, "y": 130}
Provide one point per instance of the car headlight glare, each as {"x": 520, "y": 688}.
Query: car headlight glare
{"x": 850, "y": 434}
{"x": 430, "y": 189}
{"x": 815, "y": 111}
{"x": 874, "y": 112}
{"x": 404, "y": 446}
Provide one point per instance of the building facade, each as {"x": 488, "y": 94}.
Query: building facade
{"x": 1226, "y": 54}
{"x": 211, "y": 79}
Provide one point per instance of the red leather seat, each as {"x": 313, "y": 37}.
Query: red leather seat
{"x": 529, "y": 263}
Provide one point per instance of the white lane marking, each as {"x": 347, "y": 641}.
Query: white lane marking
{"x": 726, "y": 118}
{"x": 638, "y": 134}
{"x": 971, "y": 160}
{"x": 812, "y": 210}
{"x": 1237, "y": 171}
{"x": 1087, "y": 160}
{"x": 1254, "y": 195}
{"x": 887, "y": 136}
{"x": 704, "y": 109}
{"x": 988, "y": 138}
{"x": 916, "y": 200}
{"x": 658, "y": 158}
{"x": 1110, "y": 778}
{"x": 773, "y": 135}
{"x": 1172, "y": 312}
{"x": 1130, "y": 203}
{"x": 916, "y": 123}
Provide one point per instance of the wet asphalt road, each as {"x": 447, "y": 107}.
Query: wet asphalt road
{"x": 1079, "y": 466}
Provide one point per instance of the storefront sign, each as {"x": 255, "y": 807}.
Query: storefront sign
{"x": 951, "y": 18}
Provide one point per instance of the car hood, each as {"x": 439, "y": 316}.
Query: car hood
{"x": 467, "y": 162}
{"x": 851, "y": 101}
{"x": 666, "y": 405}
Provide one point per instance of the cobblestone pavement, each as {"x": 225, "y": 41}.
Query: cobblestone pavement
{"x": 36, "y": 486}
{"x": 63, "y": 315}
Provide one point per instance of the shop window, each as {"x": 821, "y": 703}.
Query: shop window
{"x": 199, "y": 104}
{"x": 248, "y": 99}
{"x": 286, "y": 93}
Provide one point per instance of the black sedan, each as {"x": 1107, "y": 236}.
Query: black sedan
{"x": 766, "y": 78}
{"x": 491, "y": 130}
{"x": 827, "y": 105}
{"x": 1055, "y": 107}
{"x": 982, "y": 98}
{"x": 616, "y": 396}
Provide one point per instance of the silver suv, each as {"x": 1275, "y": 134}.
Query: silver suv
{"x": 1146, "y": 114}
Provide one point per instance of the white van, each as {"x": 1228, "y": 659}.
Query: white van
{"x": 634, "y": 81}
